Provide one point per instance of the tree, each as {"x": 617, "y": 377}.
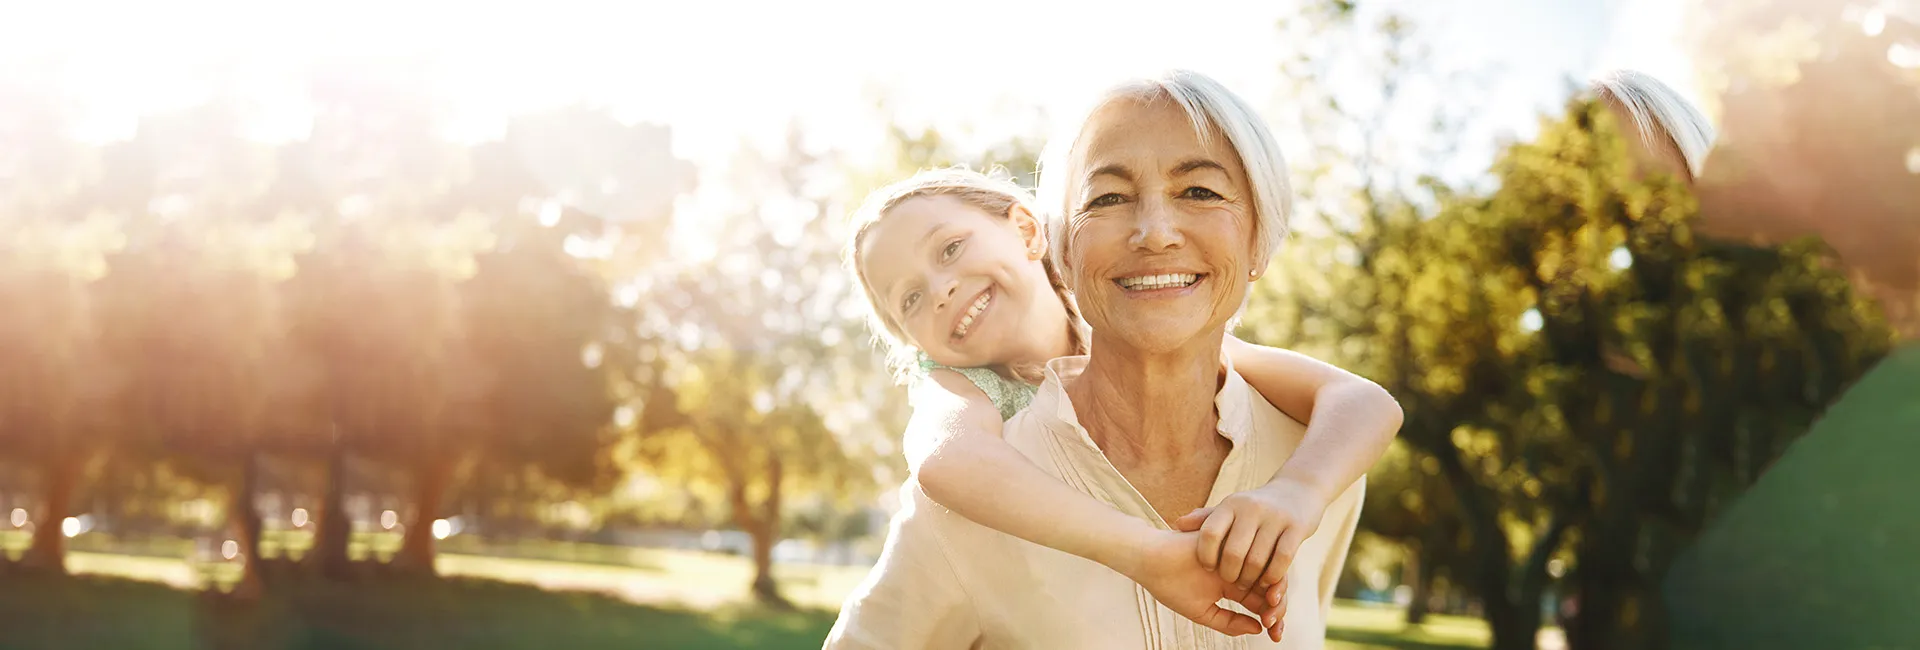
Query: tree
{"x": 195, "y": 303}
{"x": 728, "y": 430}
{"x": 376, "y": 299}
{"x": 1380, "y": 283}
{"x": 1682, "y": 365}
{"x": 57, "y": 381}
{"x": 744, "y": 376}
{"x": 1563, "y": 347}
{"x": 546, "y": 331}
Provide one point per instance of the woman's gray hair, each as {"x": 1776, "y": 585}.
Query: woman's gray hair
{"x": 1209, "y": 105}
{"x": 1660, "y": 112}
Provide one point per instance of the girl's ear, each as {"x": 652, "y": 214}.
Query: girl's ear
{"x": 1031, "y": 232}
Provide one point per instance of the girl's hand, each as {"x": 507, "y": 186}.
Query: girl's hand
{"x": 1249, "y": 538}
{"x": 1165, "y": 564}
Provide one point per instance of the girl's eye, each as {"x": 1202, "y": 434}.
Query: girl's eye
{"x": 952, "y": 249}
{"x": 907, "y": 303}
{"x": 1201, "y": 193}
{"x": 1106, "y": 200}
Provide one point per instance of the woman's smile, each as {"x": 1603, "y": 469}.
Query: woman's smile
{"x": 1168, "y": 284}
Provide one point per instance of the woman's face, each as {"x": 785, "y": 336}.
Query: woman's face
{"x": 1160, "y": 226}
{"x": 966, "y": 287}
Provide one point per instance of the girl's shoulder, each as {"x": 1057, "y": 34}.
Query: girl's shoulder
{"x": 1008, "y": 395}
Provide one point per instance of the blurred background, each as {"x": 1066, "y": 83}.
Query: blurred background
{"x": 438, "y": 325}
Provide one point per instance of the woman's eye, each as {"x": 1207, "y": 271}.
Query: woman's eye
{"x": 1201, "y": 193}
{"x": 952, "y": 249}
{"x": 1106, "y": 200}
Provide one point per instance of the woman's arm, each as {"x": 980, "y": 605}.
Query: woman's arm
{"x": 1350, "y": 421}
{"x": 956, "y": 451}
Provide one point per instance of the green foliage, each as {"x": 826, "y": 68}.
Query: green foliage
{"x": 1574, "y": 356}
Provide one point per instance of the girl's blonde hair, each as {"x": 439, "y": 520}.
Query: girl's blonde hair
{"x": 991, "y": 194}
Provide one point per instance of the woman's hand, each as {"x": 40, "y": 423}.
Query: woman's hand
{"x": 1249, "y": 539}
{"x": 1165, "y": 564}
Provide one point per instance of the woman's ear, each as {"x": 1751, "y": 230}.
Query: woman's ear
{"x": 1031, "y": 231}
{"x": 1260, "y": 260}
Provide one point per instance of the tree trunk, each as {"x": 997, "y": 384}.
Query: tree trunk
{"x": 334, "y": 528}
{"x": 1602, "y": 589}
{"x": 245, "y": 519}
{"x": 429, "y": 488}
{"x": 765, "y": 589}
{"x": 48, "y": 551}
{"x": 1508, "y": 621}
{"x": 1419, "y": 576}
{"x": 762, "y": 523}
{"x": 1515, "y": 626}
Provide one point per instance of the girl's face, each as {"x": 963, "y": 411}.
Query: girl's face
{"x": 965, "y": 287}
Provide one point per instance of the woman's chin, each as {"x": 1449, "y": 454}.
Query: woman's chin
{"x": 1157, "y": 335}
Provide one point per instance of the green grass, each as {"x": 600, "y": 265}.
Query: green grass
{"x": 408, "y": 613}
{"x": 61, "y": 613}
{"x": 680, "y": 578}
{"x": 671, "y": 599}
{"x": 1355, "y": 625}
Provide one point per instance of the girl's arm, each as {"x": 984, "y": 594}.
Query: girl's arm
{"x": 958, "y": 455}
{"x": 956, "y": 451}
{"x": 1350, "y": 421}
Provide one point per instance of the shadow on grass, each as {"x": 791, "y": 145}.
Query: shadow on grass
{"x": 301, "y": 612}
{"x": 404, "y": 613}
{"x": 51, "y": 612}
{"x": 1404, "y": 640}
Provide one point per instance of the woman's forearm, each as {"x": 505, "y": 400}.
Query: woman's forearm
{"x": 986, "y": 480}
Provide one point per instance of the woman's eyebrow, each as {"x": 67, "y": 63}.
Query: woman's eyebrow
{"x": 1115, "y": 170}
{"x": 1197, "y": 164}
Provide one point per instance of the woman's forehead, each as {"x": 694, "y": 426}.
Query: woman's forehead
{"x": 1136, "y": 126}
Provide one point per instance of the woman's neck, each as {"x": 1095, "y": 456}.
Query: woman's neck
{"x": 1150, "y": 408}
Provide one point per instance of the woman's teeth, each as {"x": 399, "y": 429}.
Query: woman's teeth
{"x": 972, "y": 312}
{"x": 1162, "y": 281}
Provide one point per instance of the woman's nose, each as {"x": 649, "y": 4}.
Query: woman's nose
{"x": 1153, "y": 226}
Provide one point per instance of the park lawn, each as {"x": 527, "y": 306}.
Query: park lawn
{"x": 1354, "y": 625}
{"x": 669, "y": 598}
{"x": 669, "y": 577}
{"x": 402, "y": 613}
{"x": 60, "y": 613}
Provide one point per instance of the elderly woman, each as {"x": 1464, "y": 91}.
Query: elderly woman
{"x": 1164, "y": 206}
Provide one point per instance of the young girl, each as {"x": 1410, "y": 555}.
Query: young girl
{"x": 954, "y": 267}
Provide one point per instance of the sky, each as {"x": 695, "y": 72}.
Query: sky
{"x": 723, "y": 72}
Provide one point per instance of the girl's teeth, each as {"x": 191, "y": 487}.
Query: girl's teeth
{"x": 973, "y": 311}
